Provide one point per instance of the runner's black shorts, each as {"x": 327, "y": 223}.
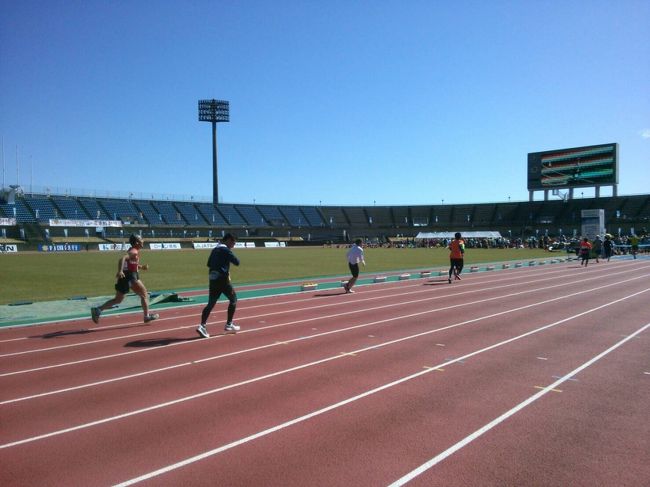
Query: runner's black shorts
{"x": 354, "y": 269}
{"x": 221, "y": 285}
{"x": 123, "y": 284}
{"x": 457, "y": 263}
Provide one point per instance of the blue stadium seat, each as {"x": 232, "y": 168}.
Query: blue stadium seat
{"x": 294, "y": 216}
{"x": 70, "y": 208}
{"x": 121, "y": 210}
{"x": 231, "y": 214}
{"x": 272, "y": 215}
{"x": 149, "y": 213}
{"x": 42, "y": 208}
{"x": 169, "y": 213}
{"x": 312, "y": 215}
{"x": 94, "y": 209}
{"x": 191, "y": 214}
{"x": 211, "y": 214}
{"x": 252, "y": 215}
{"x": 19, "y": 211}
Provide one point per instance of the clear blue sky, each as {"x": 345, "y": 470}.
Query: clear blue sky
{"x": 339, "y": 102}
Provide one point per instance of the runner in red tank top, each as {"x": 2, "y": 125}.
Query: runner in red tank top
{"x": 128, "y": 277}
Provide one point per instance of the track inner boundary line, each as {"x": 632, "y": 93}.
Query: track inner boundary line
{"x": 430, "y": 298}
{"x": 327, "y": 359}
{"x": 266, "y": 305}
{"x": 381, "y": 287}
{"x": 103, "y": 357}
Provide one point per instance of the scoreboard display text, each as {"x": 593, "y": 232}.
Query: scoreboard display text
{"x": 593, "y": 165}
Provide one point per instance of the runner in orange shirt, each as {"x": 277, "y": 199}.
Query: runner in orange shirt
{"x": 456, "y": 256}
{"x": 585, "y": 250}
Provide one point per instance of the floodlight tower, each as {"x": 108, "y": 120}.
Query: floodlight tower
{"x": 214, "y": 111}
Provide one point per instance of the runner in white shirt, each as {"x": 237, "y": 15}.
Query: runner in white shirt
{"x": 355, "y": 255}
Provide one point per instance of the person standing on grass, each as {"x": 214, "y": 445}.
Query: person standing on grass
{"x": 354, "y": 256}
{"x": 219, "y": 264}
{"x": 456, "y": 256}
{"x": 128, "y": 277}
{"x": 585, "y": 250}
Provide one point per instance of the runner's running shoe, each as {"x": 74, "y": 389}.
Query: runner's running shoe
{"x": 202, "y": 331}
{"x": 95, "y": 313}
{"x": 151, "y": 317}
{"x": 231, "y": 327}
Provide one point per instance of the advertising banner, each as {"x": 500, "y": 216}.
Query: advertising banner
{"x": 211, "y": 245}
{"x": 165, "y": 246}
{"x": 116, "y": 246}
{"x": 7, "y": 248}
{"x": 60, "y": 248}
{"x": 204, "y": 245}
{"x": 57, "y": 222}
{"x": 7, "y": 222}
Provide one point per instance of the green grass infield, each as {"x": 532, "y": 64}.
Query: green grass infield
{"x": 53, "y": 276}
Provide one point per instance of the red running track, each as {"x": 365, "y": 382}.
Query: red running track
{"x": 531, "y": 376}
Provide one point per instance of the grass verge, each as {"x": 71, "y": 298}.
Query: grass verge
{"x": 52, "y": 276}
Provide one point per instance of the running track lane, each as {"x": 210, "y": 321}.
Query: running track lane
{"x": 375, "y": 439}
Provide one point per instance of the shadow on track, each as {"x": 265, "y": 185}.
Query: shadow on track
{"x": 437, "y": 282}
{"x": 335, "y": 292}
{"x": 83, "y": 331}
{"x": 158, "y": 342}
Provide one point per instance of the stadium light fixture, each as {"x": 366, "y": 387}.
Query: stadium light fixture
{"x": 214, "y": 111}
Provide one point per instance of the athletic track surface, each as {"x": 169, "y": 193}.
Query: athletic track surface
{"x": 534, "y": 376}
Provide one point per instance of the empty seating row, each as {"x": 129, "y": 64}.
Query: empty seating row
{"x": 211, "y": 215}
{"x": 149, "y": 213}
{"x": 273, "y": 216}
{"x": 191, "y": 214}
{"x": 70, "y": 208}
{"x": 169, "y": 213}
{"x": 294, "y": 216}
{"x": 42, "y": 208}
{"x": 252, "y": 216}
{"x": 121, "y": 210}
{"x": 19, "y": 211}
{"x": 94, "y": 210}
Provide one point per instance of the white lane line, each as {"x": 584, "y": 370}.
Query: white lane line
{"x": 385, "y": 289}
{"x": 434, "y": 298}
{"x": 481, "y": 431}
{"x": 474, "y": 282}
{"x": 265, "y": 315}
{"x": 327, "y": 359}
{"x": 306, "y": 337}
{"x": 331, "y": 407}
{"x": 513, "y": 274}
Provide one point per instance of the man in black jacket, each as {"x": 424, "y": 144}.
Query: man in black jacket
{"x": 219, "y": 264}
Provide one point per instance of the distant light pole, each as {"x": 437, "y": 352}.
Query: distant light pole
{"x": 214, "y": 111}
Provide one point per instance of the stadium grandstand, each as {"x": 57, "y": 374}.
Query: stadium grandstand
{"x": 35, "y": 219}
